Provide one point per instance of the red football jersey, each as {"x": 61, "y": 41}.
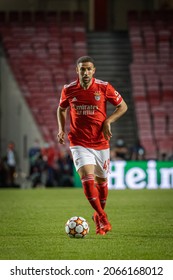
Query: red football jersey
{"x": 88, "y": 112}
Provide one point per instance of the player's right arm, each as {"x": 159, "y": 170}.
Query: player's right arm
{"x": 61, "y": 118}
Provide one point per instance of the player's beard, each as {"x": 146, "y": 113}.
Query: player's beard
{"x": 86, "y": 80}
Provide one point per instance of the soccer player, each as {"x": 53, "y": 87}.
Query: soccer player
{"x": 90, "y": 132}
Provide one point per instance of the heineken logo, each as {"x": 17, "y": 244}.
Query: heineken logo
{"x": 138, "y": 175}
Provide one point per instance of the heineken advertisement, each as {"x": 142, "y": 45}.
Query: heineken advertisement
{"x": 141, "y": 174}
{"x": 138, "y": 175}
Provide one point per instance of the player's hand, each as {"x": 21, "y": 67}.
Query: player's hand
{"x": 61, "y": 137}
{"x": 107, "y": 130}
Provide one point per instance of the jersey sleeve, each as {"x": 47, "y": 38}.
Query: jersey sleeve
{"x": 112, "y": 95}
{"x": 63, "y": 103}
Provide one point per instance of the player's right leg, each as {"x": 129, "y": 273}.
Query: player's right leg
{"x": 84, "y": 161}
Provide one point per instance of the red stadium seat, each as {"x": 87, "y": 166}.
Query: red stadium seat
{"x": 26, "y": 17}
{"x": 14, "y": 17}
{"x": 52, "y": 17}
{"x": 3, "y": 17}
{"x": 41, "y": 52}
{"x": 151, "y": 73}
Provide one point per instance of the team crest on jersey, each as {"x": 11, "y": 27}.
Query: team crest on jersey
{"x": 97, "y": 95}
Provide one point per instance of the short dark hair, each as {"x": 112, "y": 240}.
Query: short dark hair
{"x": 85, "y": 59}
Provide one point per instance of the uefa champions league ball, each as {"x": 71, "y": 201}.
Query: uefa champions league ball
{"x": 76, "y": 227}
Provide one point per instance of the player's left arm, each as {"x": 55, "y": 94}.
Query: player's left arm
{"x": 119, "y": 111}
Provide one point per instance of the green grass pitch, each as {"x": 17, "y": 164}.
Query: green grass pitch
{"x": 32, "y": 225}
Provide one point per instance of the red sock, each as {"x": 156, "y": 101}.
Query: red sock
{"x": 91, "y": 193}
{"x": 103, "y": 193}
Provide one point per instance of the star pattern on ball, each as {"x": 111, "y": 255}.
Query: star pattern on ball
{"x": 79, "y": 221}
{"x": 77, "y": 227}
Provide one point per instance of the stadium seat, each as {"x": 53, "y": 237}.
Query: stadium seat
{"x": 39, "y": 17}
{"x": 150, "y": 148}
{"x": 3, "y": 17}
{"x": 51, "y": 17}
{"x": 26, "y": 18}
{"x": 65, "y": 18}
{"x": 151, "y": 70}
{"x": 14, "y": 17}
{"x": 165, "y": 148}
{"x": 41, "y": 49}
{"x": 78, "y": 19}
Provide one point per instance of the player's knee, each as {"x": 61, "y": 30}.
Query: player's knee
{"x": 100, "y": 180}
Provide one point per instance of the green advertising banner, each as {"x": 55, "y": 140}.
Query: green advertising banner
{"x": 137, "y": 175}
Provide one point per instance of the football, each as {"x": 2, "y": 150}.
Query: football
{"x": 76, "y": 227}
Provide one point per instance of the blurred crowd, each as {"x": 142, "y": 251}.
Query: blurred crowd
{"x": 46, "y": 167}
{"x": 121, "y": 151}
{"x": 49, "y": 168}
{"x": 8, "y": 164}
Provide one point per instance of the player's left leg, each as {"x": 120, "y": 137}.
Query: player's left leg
{"x": 101, "y": 183}
{"x": 102, "y": 186}
{"x": 92, "y": 194}
{"x": 87, "y": 178}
